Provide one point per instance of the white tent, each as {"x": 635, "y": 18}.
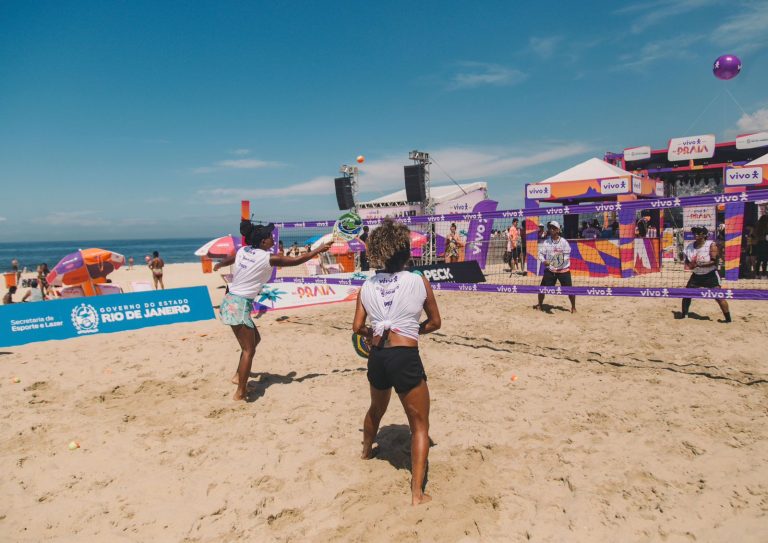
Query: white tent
{"x": 594, "y": 168}
{"x": 439, "y": 194}
{"x": 762, "y": 161}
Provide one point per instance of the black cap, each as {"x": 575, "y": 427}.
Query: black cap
{"x": 255, "y": 233}
{"x": 699, "y": 230}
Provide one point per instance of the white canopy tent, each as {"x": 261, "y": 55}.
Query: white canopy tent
{"x": 594, "y": 168}
{"x": 762, "y": 161}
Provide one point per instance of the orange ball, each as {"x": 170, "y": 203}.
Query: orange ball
{"x": 360, "y": 159}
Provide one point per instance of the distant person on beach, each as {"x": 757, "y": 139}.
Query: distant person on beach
{"x": 513, "y": 245}
{"x": 156, "y": 264}
{"x": 523, "y": 246}
{"x": 253, "y": 267}
{"x": 452, "y": 245}
{"x": 542, "y": 233}
{"x": 394, "y": 301}
{"x": 555, "y": 254}
{"x": 364, "y": 266}
{"x": 280, "y": 248}
{"x": 15, "y": 269}
{"x": 701, "y": 256}
{"x": 294, "y": 250}
{"x": 130, "y": 262}
{"x": 8, "y": 298}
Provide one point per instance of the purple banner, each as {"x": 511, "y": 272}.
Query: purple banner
{"x": 648, "y": 203}
{"x": 635, "y": 292}
{"x": 479, "y": 234}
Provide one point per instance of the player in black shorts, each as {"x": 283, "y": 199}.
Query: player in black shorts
{"x": 555, "y": 254}
{"x": 701, "y": 257}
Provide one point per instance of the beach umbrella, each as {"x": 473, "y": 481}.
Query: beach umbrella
{"x": 220, "y": 248}
{"x": 85, "y": 266}
{"x": 339, "y": 247}
{"x": 417, "y": 239}
{"x": 313, "y": 239}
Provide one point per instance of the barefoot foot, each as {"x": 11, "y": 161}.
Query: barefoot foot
{"x": 419, "y": 500}
{"x": 239, "y": 396}
{"x": 368, "y": 451}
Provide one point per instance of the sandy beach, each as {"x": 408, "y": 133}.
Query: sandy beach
{"x": 622, "y": 425}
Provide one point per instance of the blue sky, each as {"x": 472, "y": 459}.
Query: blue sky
{"x": 154, "y": 119}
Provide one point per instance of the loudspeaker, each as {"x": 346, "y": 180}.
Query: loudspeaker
{"x": 344, "y": 192}
{"x": 415, "y": 191}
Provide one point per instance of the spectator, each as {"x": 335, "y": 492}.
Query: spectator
{"x": 641, "y": 228}
{"x": 8, "y": 298}
{"x": 542, "y": 233}
{"x": 761, "y": 247}
{"x": 15, "y": 269}
{"x": 280, "y": 248}
{"x": 592, "y": 231}
{"x": 35, "y": 292}
{"x": 156, "y": 264}
{"x": 364, "y": 266}
{"x": 452, "y": 245}
{"x": 513, "y": 245}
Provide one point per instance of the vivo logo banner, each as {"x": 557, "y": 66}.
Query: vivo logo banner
{"x": 691, "y": 148}
{"x": 479, "y": 233}
{"x": 637, "y": 153}
{"x": 537, "y": 192}
{"x": 743, "y": 176}
{"x": 614, "y": 185}
{"x": 660, "y": 189}
{"x": 74, "y": 317}
{"x": 752, "y": 141}
{"x": 637, "y": 185}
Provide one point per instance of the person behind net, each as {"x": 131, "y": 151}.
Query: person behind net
{"x": 394, "y": 300}
{"x": 253, "y": 267}
{"x": 555, "y": 254}
{"x": 701, "y": 256}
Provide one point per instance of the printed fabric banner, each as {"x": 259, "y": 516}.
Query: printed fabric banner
{"x": 479, "y": 233}
{"x": 287, "y": 295}
{"x": 62, "y": 319}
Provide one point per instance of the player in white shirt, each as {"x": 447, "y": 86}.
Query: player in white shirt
{"x": 393, "y": 301}
{"x": 701, "y": 256}
{"x": 555, "y": 254}
{"x": 253, "y": 267}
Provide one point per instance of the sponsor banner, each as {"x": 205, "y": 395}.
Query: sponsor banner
{"x": 752, "y": 141}
{"x": 755, "y": 195}
{"x": 394, "y": 211}
{"x": 538, "y": 192}
{"x": 479, "y": 233}
{"x": 315, "y": 291}
{"x": 691, "y": 147}
{"x": 456, "y": 272}
{"x": 660, "y": 189}
{"x": 637, "y": 153}
{"x": 744, "y": 176}
{"x": 614, "y": 185}
{"x": 699, "y": 216}
{"x": 62, "y": 319}
{"x": 461, "y": 204}
{"x": 637, "y": 185}
{"x": 636, "y": 292}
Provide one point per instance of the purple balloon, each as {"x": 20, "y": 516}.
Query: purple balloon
{"x": 727, "y": 67}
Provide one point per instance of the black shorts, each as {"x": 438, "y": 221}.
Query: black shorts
{"x": 551, "y": 278}
{"x": 706, "y": 280}
{"x": 398, "y": 367}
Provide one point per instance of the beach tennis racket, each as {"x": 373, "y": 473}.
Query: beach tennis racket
{"x": 557, "y": 260}
{"x": 348, "y": 226}
{"x": 361, "y": 346}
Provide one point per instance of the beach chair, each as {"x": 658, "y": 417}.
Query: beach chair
{"x": 109, "y": 288}
{"x": 72, "y": 291}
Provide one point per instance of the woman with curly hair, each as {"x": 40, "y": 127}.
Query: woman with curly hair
{"x": 253, "y": 267}
{"x": 393, "y": 300}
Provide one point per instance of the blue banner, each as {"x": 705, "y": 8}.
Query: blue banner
{"x": 61, "y": 319}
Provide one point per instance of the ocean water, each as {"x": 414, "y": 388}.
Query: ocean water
{"x": 30, "y": 254}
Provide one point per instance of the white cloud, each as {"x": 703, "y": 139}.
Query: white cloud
{"x": 3, "y": 219}
{"x": 646, "y": 14}
{"x": 240, "y": 152}
{"x": 74, "y": 218}
{"x": 671, "y": 48}
{"x": 755, "y": 122}
{"x": 544, "y": 47}
{"x": 744, "y": 31}
{"x": 238, "y": 164}
{"x": 315, "y": 186}
{"x": 465, "y": 163}
{"x": 481, "y": 74}
{"x": 385, "y": 175}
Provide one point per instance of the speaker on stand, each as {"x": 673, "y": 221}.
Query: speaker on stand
{"x": 344, "y": 196}
{"x": 415, "y": 188}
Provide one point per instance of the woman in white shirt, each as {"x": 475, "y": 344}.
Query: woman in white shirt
{"x": 394, "y": 300}
{"x": 253, "y": 267}
{"x": 555, "y": 254}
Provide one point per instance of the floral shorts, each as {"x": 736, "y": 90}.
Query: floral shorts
{"x": 236, "y": 310}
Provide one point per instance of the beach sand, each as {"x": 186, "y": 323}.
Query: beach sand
{"x": 622, "y": 425}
